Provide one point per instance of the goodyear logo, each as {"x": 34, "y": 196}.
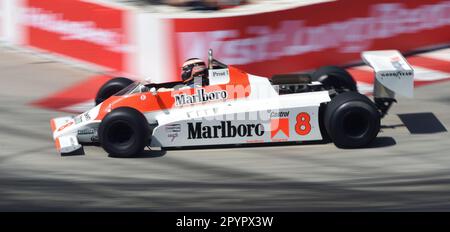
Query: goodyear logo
{"x": 397, "y": 74}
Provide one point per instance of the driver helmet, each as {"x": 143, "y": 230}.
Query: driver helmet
{"x": 193, "y": 69}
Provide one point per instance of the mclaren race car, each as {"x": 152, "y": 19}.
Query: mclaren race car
{"x": 238, "y": 108}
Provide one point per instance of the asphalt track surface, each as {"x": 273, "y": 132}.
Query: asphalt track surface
{"x": 405, "y": 169}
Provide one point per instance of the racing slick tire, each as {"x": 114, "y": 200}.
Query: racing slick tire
{"x": 124, "y": 132}
{"x": 351, "y": 120}
{"x": 110, "y": 88}
{"x": 333, "y": 77}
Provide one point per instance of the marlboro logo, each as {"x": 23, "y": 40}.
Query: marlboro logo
{"x": 224, "y": 130}
{"x": 200, "y": 96}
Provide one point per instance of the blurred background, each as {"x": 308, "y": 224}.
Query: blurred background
{"x": 150, "y": 39}
{"x": 54, "y": 56}
{"x": 200, "y": 4}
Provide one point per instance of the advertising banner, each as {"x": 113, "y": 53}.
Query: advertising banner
{"x": 306, "y": 37}
{"x": 77, "y": 29}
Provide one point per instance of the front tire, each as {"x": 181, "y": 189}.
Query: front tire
{"x": 352, "y": 120}
{"x": 124, "y": 132}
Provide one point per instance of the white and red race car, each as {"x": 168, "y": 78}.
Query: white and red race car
{"x": 238, "y": 108}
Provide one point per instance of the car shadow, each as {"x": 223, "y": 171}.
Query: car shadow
{"x": 383, "y": 141}
{"x": 422, "y": 123}
{"x": 377, "y": 143}
{"x": 145, "y": 154}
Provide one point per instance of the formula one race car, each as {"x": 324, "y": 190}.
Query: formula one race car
{"x": 238, "y": 108}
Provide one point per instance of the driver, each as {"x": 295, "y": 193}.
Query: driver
{"x": 194, "y": 73}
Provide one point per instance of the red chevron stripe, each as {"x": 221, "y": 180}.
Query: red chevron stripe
{"x": 83, "y": 91}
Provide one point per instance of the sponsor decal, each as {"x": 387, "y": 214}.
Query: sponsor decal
{"x": 219, "y": 73}
{"x": 78, "y": 119}
{"x": 199, "y": 97}
{"x": 396, "y": 63}
{"x": 66, "y": 125}
{"x": 303, "y": 124}
{"x": 279, "y": 122}
{"x": 397, "y": 74}
{"x": 279, "y": 114}
{"x": 87, "y": 116}
{"x": 173, "y": 130}
{"x": 224, "y": 130}
{"x": 88, "y": 131}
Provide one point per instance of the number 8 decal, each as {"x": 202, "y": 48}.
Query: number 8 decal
{"x": 302, "y": 126}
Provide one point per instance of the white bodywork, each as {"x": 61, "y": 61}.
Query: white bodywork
{"x": 266, "y": 116}
{"x": 263, "y": 108}
{"x": 71, "y": 130}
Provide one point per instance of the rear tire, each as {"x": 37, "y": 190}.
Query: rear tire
{"x": 333, "y": 77}
{"x": 124, "y": 132}
{"x": 110, "y": 88}
{"x": 351, "y": 120}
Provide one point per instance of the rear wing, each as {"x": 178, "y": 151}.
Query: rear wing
{"x": 393, "y": 74}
